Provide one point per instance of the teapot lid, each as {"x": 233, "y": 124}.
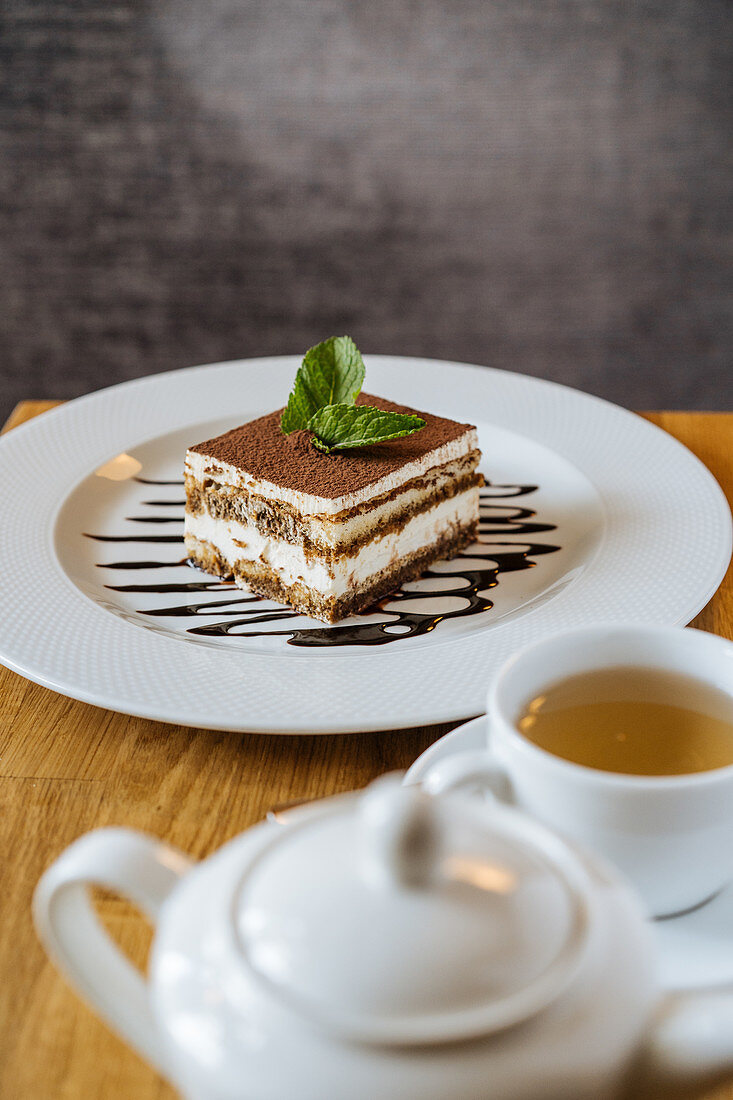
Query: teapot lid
{"x": 397, "y": 916}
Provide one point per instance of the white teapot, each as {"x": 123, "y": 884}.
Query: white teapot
{"x": 388, "y": 943}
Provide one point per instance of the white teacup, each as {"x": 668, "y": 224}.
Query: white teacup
{"x": 671, "y": 835}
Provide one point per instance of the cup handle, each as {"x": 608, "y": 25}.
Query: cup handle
{"x": 145, "y": 871}
{"x": 478, "y": 768}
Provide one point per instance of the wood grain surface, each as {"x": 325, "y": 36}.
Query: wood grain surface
{"x": 67, "y": 767}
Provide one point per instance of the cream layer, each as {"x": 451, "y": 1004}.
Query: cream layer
{"x": 202, "y": 467}
{"x": 334, "y": 532}
{"x": 242, "y": 542}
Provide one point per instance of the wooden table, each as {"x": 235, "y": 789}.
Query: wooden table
{"x": 67, "y": 767}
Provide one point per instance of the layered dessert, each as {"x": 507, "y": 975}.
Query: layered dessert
{"x": 330, "y": 533}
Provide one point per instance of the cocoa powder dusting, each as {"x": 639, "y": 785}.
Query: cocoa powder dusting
{"x": 260, "y": 448}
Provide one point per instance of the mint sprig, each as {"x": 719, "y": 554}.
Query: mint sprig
{"x": 338, "y": 427}
{"x": 332, "y": 373}
{"x": 323, "y": 401}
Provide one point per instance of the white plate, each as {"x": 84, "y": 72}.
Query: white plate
{"x": 643, "y": 531}
{"x": 693, "y": 950}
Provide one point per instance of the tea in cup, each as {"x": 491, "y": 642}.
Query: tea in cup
{"x": 634, "y": 721}
{"x": 621, "y": 738}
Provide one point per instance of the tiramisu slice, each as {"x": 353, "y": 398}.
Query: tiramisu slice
{"x": 330, "y": 533}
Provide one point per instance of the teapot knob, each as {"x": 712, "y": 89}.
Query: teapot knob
{"x": 401, "y": 834}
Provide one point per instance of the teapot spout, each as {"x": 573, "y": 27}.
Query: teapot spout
{"x": 689, "y": 1048}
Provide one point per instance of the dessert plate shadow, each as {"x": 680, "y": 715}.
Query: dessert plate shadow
{"x": 589, "y": 513}
{"x": 694, "y": 950}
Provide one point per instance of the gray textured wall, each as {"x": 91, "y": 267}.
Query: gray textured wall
{"x": 542, "y": 186}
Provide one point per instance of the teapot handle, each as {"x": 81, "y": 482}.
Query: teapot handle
{"x": 144, "y": 870}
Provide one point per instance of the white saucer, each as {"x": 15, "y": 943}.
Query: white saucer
{"x": 693, "y": 950}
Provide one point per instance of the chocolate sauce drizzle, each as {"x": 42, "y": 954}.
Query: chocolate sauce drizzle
{"x": 154, "y": 519}
{"x": 147, "y": 481}
{"x": 135, "y": 538}
{"x": 469, "y": 582}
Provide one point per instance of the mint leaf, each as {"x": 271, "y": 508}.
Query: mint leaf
{"x": 337, "y": 427}
{"x": 331, "y": 373}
